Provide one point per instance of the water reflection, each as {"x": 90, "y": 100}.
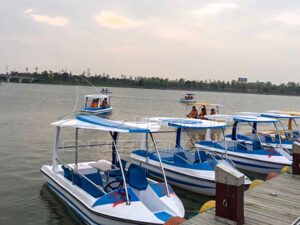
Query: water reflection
{"x": 59, "y": 211}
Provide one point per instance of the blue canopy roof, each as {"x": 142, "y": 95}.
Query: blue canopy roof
{"x": 115, "y": 125}
{"x": 254, "y": 119}
{"x": 279, "y": 116}
{"x": 188, "y": 123}
{"x": 96, "y": 123}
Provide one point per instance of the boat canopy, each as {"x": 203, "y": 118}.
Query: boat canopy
{"x": 189, "y": 94}
{"x": 280, "y": 116}
{"x": 97, "y": 96}
{"x": 293, "y": 113}
{"x": 204, "y": 104}
{"x": 254, "y": 119}
{"x": 96, "y": 123}
{"x": 187, "y": 123}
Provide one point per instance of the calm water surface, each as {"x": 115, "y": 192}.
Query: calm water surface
{"x": 26, "y": 139}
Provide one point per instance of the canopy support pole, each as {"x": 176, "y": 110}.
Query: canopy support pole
{"x": 178, "y": 138}
{"x": 161, "y": 166}
{"x": 76, "y": 149}
{"x": 197, "y": 150}
{"x": 279, "y": 136}
{"x": 114, "y": 158}
{"x": 55, "y": 151}
{"x": 122, "y": 170}
{"x": 254, "y": 128}
{"x": 234, "y": 131}
{"x": 225, "y": 143}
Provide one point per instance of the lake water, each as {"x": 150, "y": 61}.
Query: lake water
{"x": 26, "y": 139}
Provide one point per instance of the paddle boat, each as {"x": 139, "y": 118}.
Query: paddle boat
{"x": 209, "y": 107}
{"x": 104, "y": 192}
{"x": 188, "y": 97}
{"x": 193, "y": 170}
{"x": 97, "y": 100}
{"x": 277, "y": 138}
{"x": 105, "y": 91}
{"x": 250, "y": 155}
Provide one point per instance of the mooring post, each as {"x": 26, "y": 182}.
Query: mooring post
{"x": 296, "y": 158}
{"x": 229, "y": 195}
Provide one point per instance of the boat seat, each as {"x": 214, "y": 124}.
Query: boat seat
{"x": 256, "y": 145}
{"x": 90, "y": 188}
{"x": 203, "y": 156}
{"x": 277, "y": 137}
{"x": 288, "y": 135}
{"x": 67, "y": 172}
{"x": 116, "y": 173}
{"x": 296, "y": 133}
{"x": 241, "y": 146}
{"x": 180, "y": 157}
{"x": 268, "y": 139}
{"x": 137, "y": 177}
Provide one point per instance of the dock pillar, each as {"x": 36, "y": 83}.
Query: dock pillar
{"x": 296, "y": 158}
{"x": 229, "y": 195}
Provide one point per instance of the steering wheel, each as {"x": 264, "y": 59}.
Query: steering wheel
{"x": 109, "y": 187}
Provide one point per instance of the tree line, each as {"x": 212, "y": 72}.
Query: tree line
{"x": 50, "y": 77}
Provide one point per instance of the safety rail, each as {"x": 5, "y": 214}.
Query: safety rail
{"x": 81, "y": 175}
{"x": 82, "y": 146}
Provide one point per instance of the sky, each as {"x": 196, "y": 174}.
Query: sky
{"x": 193, "y": 39}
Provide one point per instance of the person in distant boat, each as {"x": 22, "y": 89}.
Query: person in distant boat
{"x": 103, "y": 89}
{"x": 104, "y": 103}
{"x": 193, "y": 113}
{"x": 94, "y": 104}
{"x": 203, "y": 113}
{"x": 212, "y": 112}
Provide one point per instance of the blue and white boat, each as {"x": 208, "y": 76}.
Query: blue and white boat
{"x": 249, "y": 155}
{"x": 188, "y": 98}
{"x": 283, "y": 138}
{"x": 98, "y": 108}
{"x": 104, "y": 192}
{"x": 191, "y": 170}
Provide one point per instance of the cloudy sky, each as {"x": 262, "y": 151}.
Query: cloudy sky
{"x": 194, "y": 39}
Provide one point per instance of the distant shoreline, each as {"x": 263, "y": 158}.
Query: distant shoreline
{"x": 112, "y": 86}
{"x": 104, "y": 80}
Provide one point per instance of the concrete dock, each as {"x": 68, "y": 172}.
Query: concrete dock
{"x": 275, "y": 202}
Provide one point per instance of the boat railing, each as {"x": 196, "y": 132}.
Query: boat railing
{"x": 81, "y": 175}
{"x": 83, "y": 146}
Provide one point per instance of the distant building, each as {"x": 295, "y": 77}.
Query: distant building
{"x": 242, "y": 80}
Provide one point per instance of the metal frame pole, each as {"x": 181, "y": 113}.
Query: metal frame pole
{"x": 161, "y": 166}
{"x": 122, "y": 171}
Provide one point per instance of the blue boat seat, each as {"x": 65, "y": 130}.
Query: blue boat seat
{"x": 277, "y": 137}
{"x": 180, "y": 157}
{"x": 90, "y": 188}
{"x": 203, "y": 156}
{"x": 296, "y": 133}
{"x": 268, "y": 139}
{"x": 116, "y": 173}
{"x": 288, "y": 135}
{"x": 241, "y": 146}
{"x": 256, "y": 145}
{"x": 77, "y": 180}
{"x": 67, "y": 172}
{"x": 137, "y": 177}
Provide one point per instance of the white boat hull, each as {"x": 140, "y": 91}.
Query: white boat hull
{"x": 84, "y": 205}
{"x": 98, "y": 112}
{"x": 187, "y": 100}
{"x": 259, "y": 165}
{"x": 202, "y": 182}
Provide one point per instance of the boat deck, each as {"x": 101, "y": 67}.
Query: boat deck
{"x": 275, "y": 202}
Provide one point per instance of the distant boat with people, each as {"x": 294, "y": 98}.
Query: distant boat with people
{"x": 188, "y": 97}
{"x": 97, "y": 104}
{"x": 105, "y": 91}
